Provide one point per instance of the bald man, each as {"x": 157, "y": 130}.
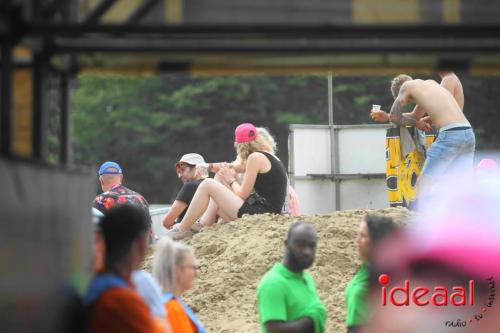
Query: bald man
{"x": 286, "y": 295}
{"x": 111, "y": 178}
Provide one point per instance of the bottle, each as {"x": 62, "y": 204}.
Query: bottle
{"x": 202, "y": 169}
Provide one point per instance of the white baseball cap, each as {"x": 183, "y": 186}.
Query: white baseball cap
{"x": 192, "y": 158}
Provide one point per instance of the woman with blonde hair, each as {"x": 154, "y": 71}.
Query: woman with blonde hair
{"x": 262, "y": 190}
{"x": 264, "y": 140}
{"x": 174, "y": 267}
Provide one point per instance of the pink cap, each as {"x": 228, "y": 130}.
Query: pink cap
{"x": 245, "y": 132}
{"x": 487, "y": 164}
{"x": 475, "y": 254}
{"x": 457, "y": 226}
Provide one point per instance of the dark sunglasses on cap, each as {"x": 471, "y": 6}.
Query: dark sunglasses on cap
{"x": 181, "y": 166}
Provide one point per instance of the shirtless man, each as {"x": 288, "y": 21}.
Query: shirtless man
{"x": 449, "y": 81}
{"x": 455, "y": 143}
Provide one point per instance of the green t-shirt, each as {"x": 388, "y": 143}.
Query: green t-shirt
{"x": 287, "y": 296}
{"x": 356, "y": 298}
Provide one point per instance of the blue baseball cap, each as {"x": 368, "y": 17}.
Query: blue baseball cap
{"x": 110, "y": 168}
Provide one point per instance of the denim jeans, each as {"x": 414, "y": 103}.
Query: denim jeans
{"x": 453, "y": 151}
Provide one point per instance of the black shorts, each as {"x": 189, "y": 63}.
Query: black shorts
{"x": 254, "y": 204}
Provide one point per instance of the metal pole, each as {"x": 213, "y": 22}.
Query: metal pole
{"x": 336, "y": 167}
{"x": 6, "y": 100}
{"x": 37, "y": 139}
{"x": 64, "y": 145}
{"x": 40, "y": 116}
{"x": 330, "y": 99}
{"x": 334, "y": 149}
{"x": 291, "y": 154}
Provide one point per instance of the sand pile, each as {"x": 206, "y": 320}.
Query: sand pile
{"x": 234, "y": 256}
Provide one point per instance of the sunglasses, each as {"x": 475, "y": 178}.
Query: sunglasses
{"x": 181, "y": 166}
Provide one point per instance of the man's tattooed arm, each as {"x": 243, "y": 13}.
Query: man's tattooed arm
{"x": 397, "y": 116}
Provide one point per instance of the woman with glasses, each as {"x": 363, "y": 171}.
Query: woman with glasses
{"x": 174, "y": 267}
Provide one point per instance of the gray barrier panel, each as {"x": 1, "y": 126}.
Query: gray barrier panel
{"x": 45, "y": 244}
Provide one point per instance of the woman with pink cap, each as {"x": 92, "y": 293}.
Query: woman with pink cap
{"x": 262, "y": 190}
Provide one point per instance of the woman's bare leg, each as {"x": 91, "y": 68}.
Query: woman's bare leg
{"x": 225, "y": 218}
{"x": 210, "y": 216}
{"x": 227, "y": 201}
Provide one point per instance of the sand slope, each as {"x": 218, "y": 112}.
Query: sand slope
{"x": 234, "y": 256}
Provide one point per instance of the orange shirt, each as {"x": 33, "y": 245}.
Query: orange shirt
{"x": 178, "y": 319}
{"x": 121, "y": 310}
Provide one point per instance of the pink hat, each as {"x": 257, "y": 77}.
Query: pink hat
{"x": 245, "y": 132}
{"x": 487, "y": 164}
{"x": 466, "y": 246}
{"x": 458, "y": 226}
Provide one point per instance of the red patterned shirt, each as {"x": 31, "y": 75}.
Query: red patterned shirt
{"x": 119, "y": 194}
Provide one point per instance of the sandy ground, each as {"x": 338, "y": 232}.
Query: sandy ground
{"x": 234, "y": 256}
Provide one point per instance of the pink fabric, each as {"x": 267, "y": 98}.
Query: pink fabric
{"x": 245, "y": 132}
{"x": 487, "y": 164}
{"x": 466, "y": 245}
{"x": 293, "y": 202}
{"x": 458, "y": 226}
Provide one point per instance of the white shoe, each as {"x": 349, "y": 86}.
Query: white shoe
{"x": 197, "y": 227}
{"x": 177, "y": 234}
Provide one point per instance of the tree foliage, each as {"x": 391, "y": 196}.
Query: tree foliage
{"x": 147, "y": 122}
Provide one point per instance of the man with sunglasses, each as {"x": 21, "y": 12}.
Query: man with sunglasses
{"x": 190, "y": 175}
{"x": 114, "y": 192}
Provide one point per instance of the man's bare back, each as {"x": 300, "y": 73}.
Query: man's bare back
{"x": 451, "y": 82}
{"x": 432, "y": 98}
{"x": 454, "y": 147}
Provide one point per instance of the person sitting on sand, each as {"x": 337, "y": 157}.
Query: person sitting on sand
{"x": 262, "y": 190}
{"x": 174, "y": 266}
{"x": 286, "y": 295}
{"x": 189, "y": 174}
{"x": 114, "y": 192}
{"x": 371, "y": 231}
{"x": 238, "y": 165}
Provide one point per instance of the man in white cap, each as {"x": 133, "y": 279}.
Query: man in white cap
{"x": 190, "y": 175}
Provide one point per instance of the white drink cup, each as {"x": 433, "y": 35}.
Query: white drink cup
{"x": 375, "y": 107}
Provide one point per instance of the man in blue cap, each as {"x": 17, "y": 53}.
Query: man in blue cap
{"x": 111, "y": 178}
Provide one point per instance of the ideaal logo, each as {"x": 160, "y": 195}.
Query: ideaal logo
{"x": 438, "y": 296}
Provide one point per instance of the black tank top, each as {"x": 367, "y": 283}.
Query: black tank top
{"x": 272, "y": 184}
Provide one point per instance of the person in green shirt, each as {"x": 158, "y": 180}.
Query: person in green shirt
{"x": 287, "y": 298}
{"x": 371, "y": 231}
